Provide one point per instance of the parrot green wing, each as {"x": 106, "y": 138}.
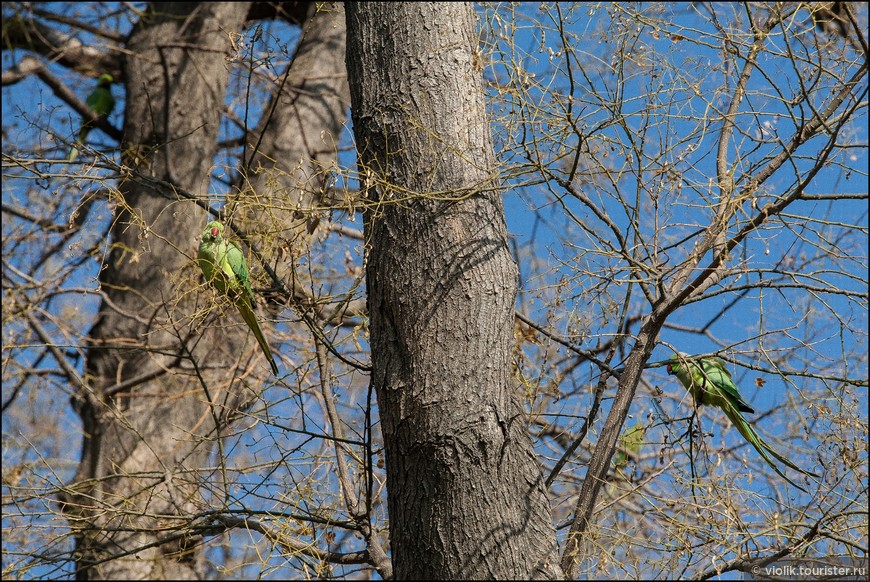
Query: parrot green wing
{"x": 236, "y": 266}
{"x": 223, "y": 265}
{"x": 715, "y": 373}
{"x": 629, "y": 445}
{"x": 708, "y": 381}
{"x": 102, "y": 102}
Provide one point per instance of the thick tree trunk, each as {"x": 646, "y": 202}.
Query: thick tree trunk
{"x": 292, "y": 154}
{"x": 147, "y": 418}
{"x": 466, "y": 496}
{"x": 150, "y": 420}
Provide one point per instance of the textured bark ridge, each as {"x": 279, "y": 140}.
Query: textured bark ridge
{"x": 466, "y": 497}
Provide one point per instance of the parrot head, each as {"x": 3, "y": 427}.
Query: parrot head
{"x": 213, "y": 231}
{"x": 674, "y": 364}
{"x": 105, "y": 80}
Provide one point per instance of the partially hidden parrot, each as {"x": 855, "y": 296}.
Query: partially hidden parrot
{"x": 101, "y": 103}
{"x": 224, "y": 266}
{"x": 629, "y": 445}
{"x": 709, "y": 382}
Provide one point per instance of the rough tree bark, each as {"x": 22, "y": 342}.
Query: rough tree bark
{"x": 466, "y": 496}
{"x": 292, "y": 152}
{"x": 143, "y": 408}
{"x": 150, "y": 419}
{"x": 150, "y": 416}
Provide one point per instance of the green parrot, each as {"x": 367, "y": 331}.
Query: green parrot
{"x": 102, "y": 103}
{"x": 709, "y": 382}
{"x": 629, "y": 445}
{"x": 224, "y": 266}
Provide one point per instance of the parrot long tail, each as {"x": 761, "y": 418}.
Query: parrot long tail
{"x": 83, "y": 134}
{"x": 765, "y": 450}
{"x": 251, "y": 319}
